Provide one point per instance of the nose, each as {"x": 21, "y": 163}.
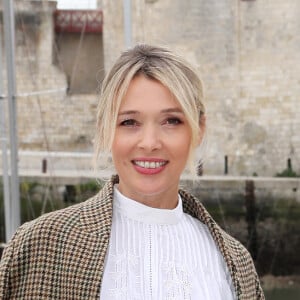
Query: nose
{"x": 150, "y": 138}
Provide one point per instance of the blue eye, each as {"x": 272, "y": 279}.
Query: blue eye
{"x": 129, "y": 122}
{"x": 173, "y": 121}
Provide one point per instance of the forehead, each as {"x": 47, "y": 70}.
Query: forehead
{"x": 147, "y": 94}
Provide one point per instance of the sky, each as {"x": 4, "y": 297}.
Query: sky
{"x": 76, "y": 4}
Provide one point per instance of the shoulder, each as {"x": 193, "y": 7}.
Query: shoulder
{"x": 236, "y": 249}
{"x": 58, "y": 224}
{"x": 49, "y": 225}
{"x": 33, "y": 244}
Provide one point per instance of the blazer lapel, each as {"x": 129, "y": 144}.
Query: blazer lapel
{"x": 96, "y": 214}
{"x": 193, "y": 207}
{"x": 95, "y": 222}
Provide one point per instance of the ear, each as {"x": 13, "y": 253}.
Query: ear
{"x": 202, "y": 128}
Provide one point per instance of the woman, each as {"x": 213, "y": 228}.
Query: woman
{"x": 140, "y": 237}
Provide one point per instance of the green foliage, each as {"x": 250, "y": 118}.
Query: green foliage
{"x": 27, "y": 187}
{"x": 91, "y": 186}
{"x": 87, "y": 190}
{"x": 287, "y": 173}
{"x": 287, "y": 210}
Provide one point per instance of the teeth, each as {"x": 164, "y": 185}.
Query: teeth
{"x": 149, "y": 164}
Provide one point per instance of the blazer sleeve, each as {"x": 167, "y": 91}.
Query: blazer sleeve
{"x": 8, "y": 264}
{"x": 249, "y": 276}
{"x": 5, "y": 267}
{"x": 259, "y": 291}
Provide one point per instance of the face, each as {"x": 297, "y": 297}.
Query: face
{"x": 151, "y": 144}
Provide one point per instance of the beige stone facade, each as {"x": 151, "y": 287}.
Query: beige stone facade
{"x": 57, "y": 76}
{"x": 247, "y": 52}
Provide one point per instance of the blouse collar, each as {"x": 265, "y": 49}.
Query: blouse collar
{"x": 146, "y": 214}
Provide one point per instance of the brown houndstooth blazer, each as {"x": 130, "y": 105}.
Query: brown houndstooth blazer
{"x": 61, "y": 254}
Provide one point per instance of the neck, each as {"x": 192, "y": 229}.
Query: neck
{"x": 164, "y": 200}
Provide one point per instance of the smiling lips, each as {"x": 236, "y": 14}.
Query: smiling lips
{"x": 149, "y": 167}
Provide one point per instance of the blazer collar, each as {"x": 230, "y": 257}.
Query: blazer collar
{"x": 96, "y": 213}
{"x": 195, "y": 208}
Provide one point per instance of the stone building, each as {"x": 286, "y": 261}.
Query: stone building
{"x": 247, "y": 53}
{"x": 57, "y": 74}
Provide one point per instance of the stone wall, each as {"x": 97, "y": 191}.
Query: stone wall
{"x": 49, "y": 118}
{"x": 247, "y": 53}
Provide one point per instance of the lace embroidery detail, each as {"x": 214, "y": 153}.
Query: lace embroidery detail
{"x": 125, "y": 274}
{"x": 177, "y": 281}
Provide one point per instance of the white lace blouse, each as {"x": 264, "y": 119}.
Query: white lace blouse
{"x": 162, "y": 254}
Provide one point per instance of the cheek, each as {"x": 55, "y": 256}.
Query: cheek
{"x": 115, "y": 149}
{"x": 184, "y": 147}
{"x": 185, "y": 141}
{"x": 184, "y": 151}
{"x": 120, "y": 146}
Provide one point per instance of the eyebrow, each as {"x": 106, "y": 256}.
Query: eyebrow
{"x": 172, "y": 110}
{"x": 167, "y": 110}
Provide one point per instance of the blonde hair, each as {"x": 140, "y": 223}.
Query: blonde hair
{"x": 155, "y": 63}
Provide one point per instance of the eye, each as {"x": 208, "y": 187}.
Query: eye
{"x": 173, "y": 121}
{"x": 129, "y": 123}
